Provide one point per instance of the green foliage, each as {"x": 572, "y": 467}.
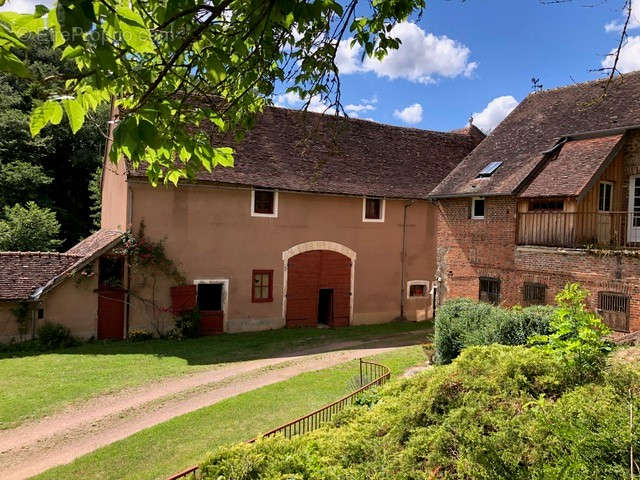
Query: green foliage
{"x": 462, "y": 322}
{"x": 52, "y": 336}
{"x": 53, "y": 168}
{"x": 149, "y": 254}
{"x": 188, "y": 324}
{"x": 577, "y": 335}
{"x": 22, "y": 315}
{"x": 496, "y": 412}
{"x": 95, "y": 198}
{"x": 172, "y": 65}
{"x": 139, "y": 335}
{"x": 29, "y": 228}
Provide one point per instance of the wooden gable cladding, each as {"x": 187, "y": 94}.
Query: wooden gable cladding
{"x": 310, "y": 272}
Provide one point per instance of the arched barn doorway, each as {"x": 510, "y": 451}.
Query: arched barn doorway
{"x": 319, "y": 284}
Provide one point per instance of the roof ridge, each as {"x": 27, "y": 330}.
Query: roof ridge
{"x": 621, "y": 77}
{"x": 52, "y": 254}
{"x": 364, "y": 120}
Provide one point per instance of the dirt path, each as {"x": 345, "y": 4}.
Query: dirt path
{"x": 35, "y": 447}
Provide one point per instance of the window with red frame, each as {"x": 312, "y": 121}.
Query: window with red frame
{"x": 262, "y": 288}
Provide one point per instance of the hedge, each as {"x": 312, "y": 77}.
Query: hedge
{"x": 462, "y": 322}
{"x": 496, "y": 413}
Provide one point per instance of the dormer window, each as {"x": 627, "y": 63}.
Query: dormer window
{"x": 489, "y": 169}
{"x": 264, "y": 203}
{"x": 373, "y": 209}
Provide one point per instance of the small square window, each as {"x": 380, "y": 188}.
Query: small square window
{"x": 604, "y": 200}
{"x": 373, "y": 210}
{"x": 477, "y": 208}
{"x": 534, "y": 294}
{"x": 418, "y": 288}
{"x": 264, "y": 203}
{"x": 262, "y": 287}
{"x": 40, "y": 313}
{"x": 489, "y": 290}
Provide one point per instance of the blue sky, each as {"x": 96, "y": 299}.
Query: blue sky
{"x": 477, "y": 57}
{"x": 511, "y": 41}
{"x": 503, "y": 43}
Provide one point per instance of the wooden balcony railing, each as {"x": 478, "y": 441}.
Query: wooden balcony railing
{"x": 579, "y": 229}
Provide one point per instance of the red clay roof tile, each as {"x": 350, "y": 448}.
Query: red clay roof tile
{"x": 310, "y": 152}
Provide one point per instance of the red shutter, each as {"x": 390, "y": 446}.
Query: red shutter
{"x": 183, "y": 297}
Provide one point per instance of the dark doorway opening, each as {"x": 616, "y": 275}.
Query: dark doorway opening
{"x": 210, "y": 296}
{"x": 210, "y": 305}
{"x": 325, "y": 306}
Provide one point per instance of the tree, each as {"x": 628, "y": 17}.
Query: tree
{"x": 54, "y": 168}
{"x": 29, "y": 228}
{"x": 171, "y": 65}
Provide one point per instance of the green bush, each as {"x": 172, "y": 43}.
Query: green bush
{"x": 497, "y": 412}
{"x": 462, "y": 322}
{"x": 52, "y": 336}
{"x": 188, "y": 324}
{"x": 577, "y": 336}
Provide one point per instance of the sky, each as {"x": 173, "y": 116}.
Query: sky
{"x": 476, "y": 58}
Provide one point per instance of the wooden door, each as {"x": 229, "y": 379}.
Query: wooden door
{"x": 307, "y": 274}
{"x": 211, "y": 306}
{"x": 633, "y": 222}
{"x": 111, "y": 313}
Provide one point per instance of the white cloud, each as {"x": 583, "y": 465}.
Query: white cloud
{"x": 634, "y": 20}
{"x": 629, "y": 60}
{"x": 365, "y": 105}
{"x": 292, "y": 100}
{"x": 411, "y": 114}
{"x": 421, "y": 58}
{"x": 24, "y": 6}
{"x": 495, "y": 111}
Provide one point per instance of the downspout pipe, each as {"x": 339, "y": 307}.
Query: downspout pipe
{"x": 403, "y": 273}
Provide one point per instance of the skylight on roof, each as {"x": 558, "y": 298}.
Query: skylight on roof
{"x": 489, "y": 169}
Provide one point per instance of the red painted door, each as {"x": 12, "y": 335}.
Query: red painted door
{"x": 111, "y": 313}
{"x": 307, "y": 274}
{"x": 211, "y": 322}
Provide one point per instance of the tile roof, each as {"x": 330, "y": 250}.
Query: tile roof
{"x": 304, "y": 151}
{"x": 23, "y": 273}
{"x": 571, "y": 171}
{"x": 95, "y": 242}
{"x": 535, "y": 126}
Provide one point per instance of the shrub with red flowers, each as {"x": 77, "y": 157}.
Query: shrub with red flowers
{"x": 147, "y": 253}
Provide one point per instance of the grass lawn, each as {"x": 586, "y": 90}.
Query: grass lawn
{"x": 32, "y": 386}
{"x": 159, "y": 451}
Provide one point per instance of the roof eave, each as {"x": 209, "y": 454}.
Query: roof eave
{"x": 58, "y": 279}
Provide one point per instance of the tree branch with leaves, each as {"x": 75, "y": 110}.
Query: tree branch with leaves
{"x": 175, "y": 67}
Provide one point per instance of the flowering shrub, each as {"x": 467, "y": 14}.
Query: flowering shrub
{"x": 140, "y": 335}
{"x": 146, "y": 253}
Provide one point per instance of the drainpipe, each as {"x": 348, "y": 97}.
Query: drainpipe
{"x": 404, "y": 259}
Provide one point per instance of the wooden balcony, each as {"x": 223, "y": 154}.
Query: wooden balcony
{"x": 616, "y": 230}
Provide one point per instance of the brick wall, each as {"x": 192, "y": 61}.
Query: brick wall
{"x": 468, "y": 249}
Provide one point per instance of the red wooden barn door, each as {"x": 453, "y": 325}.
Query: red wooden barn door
{"x": 111, "y": 313}
{"x": 307, "y": 274}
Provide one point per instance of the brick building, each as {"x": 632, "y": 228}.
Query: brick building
{"x": 552, "y": 195}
